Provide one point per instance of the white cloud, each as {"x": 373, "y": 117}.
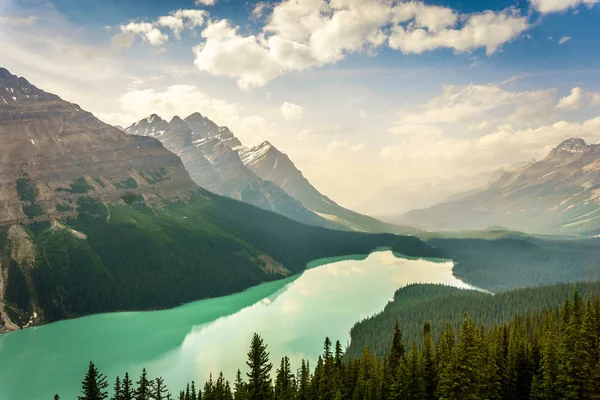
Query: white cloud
{"x": 301, "y": 34}
{"x": 205, "y": 2}
{"x": 173, "y": 23}
{"x": 176, "y": 21}
{"x": 147, "y": 31}
{"x": 505, "y": 145}
{"x": 10, "y": 20}
{"x": 573, "y": 101}
{"x": 458, "y": 104}
{"x": 225, "y": 53}
{"x": 487, "y": 29}
{"x": 357, "y": 148}
{"x": 550, "y": 6}
{"x": 344, "y": 145}
{"x": 291, "y": 111}
{"x": 363, "y": 114}
{"x": 577, "y": 99}
{"x": 564, "y": 39}
{"x": 259, "y": 9}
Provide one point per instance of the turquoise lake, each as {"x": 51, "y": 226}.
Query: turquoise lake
{"x": 187, "y": 343}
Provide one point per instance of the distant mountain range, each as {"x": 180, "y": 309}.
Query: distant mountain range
{"x": 93, "y": 219}
{"x": 262, "y": 176}
{"x": 559, "y": 194}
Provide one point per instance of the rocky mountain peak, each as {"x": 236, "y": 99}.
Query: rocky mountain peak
{"x": 573, "y": 146}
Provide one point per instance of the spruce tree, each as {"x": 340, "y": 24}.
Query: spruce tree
{"x": 94, "y": 385}
{"x": 428, "y": 363}
{"x": 158, "y": 389}
{"x": 143, "y": 387}
{"x": 239, "y": 387}
{"x": 127, "y": 391}
{"x": 259, "y": 379}
{"x": 117, "y": 390}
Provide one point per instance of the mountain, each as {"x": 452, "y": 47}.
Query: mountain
{"x": 93, "y": 220}
{"x": 272, "y": 165}
{"x": 209, "y": 155}
{"x": 559, "y": 195}
{"x": 70, "y": 152}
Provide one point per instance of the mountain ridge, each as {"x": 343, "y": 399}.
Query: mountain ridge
{"x": 559, "y": 194}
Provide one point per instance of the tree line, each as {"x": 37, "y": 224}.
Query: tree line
{"x": 552, "y": 354}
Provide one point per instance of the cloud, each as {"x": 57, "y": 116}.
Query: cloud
{"x": 302, "y": 34}
{"x": 577, "y": 99}
{"x": 147, "y": 31}
{"x": 363, "y": 114}
{"x": 573, "y": 101}
{"x": 10, "y": 20}
{"x": 564, "y": 39}
{"x": 551, "y": 6}
{"x": 357, "y": 148}
{"x": 488, "y": 29}
{"x": 176, "y": 21}
{"x": 205, "y": 2}
{"x": 344, "y": 145}
{"x": 505, "y": 145}
{"x": 291, "y": 111}
{"x": 470, "y": 103}
{"x": 259, "y": 9}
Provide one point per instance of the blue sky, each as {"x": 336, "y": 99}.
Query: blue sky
{"x": 385, "y": 105}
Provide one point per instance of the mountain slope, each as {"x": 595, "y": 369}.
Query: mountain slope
{"x": 559, "y": 194}
{"x": 272, "y": 165}
{"x": 96, "y": 220}
{"x": 208, "y": 154}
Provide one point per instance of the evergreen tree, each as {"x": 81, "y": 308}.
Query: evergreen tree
{"x": 239, "y": 388}
{"x": 428, "y": 364}
{"x": 259, "y": 380}
{"x": 94, "y": 385}
{"x": 415, "y": 389}
{"x": 284, "y": 381}
{"x": 158, "y": 389}
{"x": 117, "y": 390}
{"x": 143, "y": 391}
{"x": 127, "y": 391}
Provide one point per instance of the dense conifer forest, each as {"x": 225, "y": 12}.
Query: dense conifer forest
{"x": 516, "y": 261}
{"x": 551, "y": 354}
{"x": 136, "y": 257}
{"x": 441, "y": 305}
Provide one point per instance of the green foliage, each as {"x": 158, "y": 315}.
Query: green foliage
{"x": 154, "y": 177}
{"x": 26, "y": 189}
{"x": 32, "y": 210}
{"x": 259, "y": 380}
{"x": 28, "y": 193}
{"x": 131, "y": 198}
{"x": 63, "y": 207}
{"x": 128, "y": 183}
{"x": 17, "y": 292}
{"x": 442, "y": 305}
{"x": 135, "y": 257}
{"x": 80, "y": 186}
{"x": 521, "y": 261}
{"x": 94, "y": 385}
{"x": 550, "y": 354}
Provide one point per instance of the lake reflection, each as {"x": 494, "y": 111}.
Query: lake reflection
{"x": 187, "y": 343}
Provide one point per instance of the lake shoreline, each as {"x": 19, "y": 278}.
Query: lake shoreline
{"x": 310, "y": 265}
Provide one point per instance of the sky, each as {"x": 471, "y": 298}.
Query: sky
{"x": 384, "y": 105}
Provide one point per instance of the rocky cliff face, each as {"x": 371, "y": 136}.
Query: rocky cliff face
{"x": 53, "y": 151}
{"x": 559, "y": 194}
{"x": 209, "y": 154}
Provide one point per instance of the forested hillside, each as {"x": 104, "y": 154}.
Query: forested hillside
{"x": 442, "y": 305}
{"x": 132, "y": 255}
{"x": 516, "y": 261}
{"x": 539, "y": 355}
